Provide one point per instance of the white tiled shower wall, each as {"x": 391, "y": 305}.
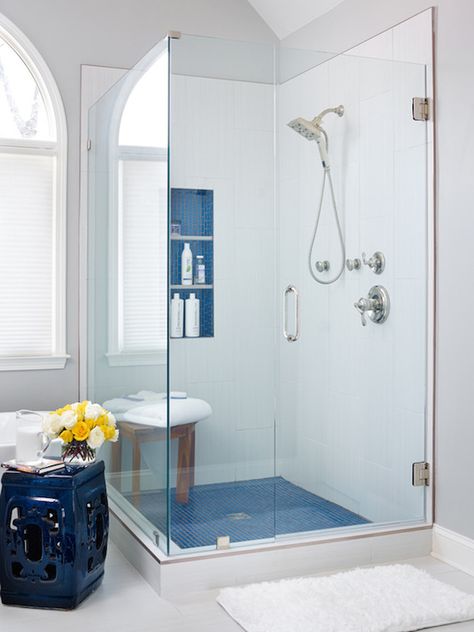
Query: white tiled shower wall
{"x": 223, "y": 139}
{"x": 352, "y": 399}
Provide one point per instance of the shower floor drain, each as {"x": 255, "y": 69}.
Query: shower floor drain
{"x": 238, "y": 516}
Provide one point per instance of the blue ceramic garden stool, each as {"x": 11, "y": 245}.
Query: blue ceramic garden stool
{"x": 53, "y": 536}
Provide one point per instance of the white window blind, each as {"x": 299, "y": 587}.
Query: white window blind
{"x": 27, "y": 255}
{"x": 32, "y": 209}
{"x": 138, "y": 228}
{"x": 143, "y": 255}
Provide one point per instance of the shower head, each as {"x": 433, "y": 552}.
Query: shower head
{"x": 312, "y": 130}
{"x": 306, "y": 128}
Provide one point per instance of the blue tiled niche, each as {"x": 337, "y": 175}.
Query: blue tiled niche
{"x": 193, "y": 209}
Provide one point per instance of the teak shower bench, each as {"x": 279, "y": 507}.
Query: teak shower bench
{"x": 138, "y": 434}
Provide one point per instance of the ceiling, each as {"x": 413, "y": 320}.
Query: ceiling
{"x": 286, "y": 16}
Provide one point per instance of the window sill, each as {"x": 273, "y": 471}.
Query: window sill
{"x": 33, "y": 363}
{"x": 137, "y": 358}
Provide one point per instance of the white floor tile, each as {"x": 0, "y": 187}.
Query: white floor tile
{"x": 460, "y": 580}
{"x": 126, "y": 602}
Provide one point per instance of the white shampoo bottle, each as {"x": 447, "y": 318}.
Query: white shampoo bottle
{"x": 192, "y": 317}
{"x": 177, "y": 316}
{"x": 186, "y": 265}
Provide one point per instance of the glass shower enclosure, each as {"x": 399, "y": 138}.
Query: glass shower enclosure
{"x": 253, "y": 404}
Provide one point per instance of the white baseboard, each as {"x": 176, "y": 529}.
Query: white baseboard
{"x": 453, "y": 548}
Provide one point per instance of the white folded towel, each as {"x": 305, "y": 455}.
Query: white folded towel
{"x": 151, "y": 395}
{"x": 119, "y": 405}
{"x": 182, "y": 411}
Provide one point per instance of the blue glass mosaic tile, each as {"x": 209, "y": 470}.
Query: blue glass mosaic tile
{"x": 194, "y": 209}
{"x": 244, "y": 510}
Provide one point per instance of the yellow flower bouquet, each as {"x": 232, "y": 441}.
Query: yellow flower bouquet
{"x": 82, "y": 427}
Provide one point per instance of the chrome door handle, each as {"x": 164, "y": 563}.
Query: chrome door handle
{"x": 291, "y": 337}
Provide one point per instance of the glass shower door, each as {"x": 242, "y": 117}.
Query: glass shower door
{"x": 352, "y": 396}
{"x": 222, "y": 374}
{"x": 128, "y": 286}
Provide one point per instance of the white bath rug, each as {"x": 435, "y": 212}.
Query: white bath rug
{"x": 397, "y": 598}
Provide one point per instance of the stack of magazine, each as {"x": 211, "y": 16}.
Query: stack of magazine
{"x": 45, "y": 466}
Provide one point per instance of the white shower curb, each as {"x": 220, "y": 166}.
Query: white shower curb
{"x": 174, "y": 576}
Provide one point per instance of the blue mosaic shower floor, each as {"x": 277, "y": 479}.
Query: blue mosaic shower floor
{"x": 244, "y": 510}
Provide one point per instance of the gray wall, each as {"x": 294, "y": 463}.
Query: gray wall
{"x": 109, "y": 33}
{"x": 354, "y": 21}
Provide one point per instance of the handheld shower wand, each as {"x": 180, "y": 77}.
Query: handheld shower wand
{"x": 312, "y": 130}
{"x": 322, "y": 142}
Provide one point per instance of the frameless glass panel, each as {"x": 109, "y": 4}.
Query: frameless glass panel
{"x": 351, "y": 410}
{"x": 23, "y": 113}
{"x": 128, "y": 286}
{"x": 222, "y": 367}
{"x": 145, "y": 117}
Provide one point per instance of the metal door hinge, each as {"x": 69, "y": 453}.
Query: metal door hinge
{"x": 89, "y": 144}
{"x": 420, "y": 474}
{"x": 420, "y": 109}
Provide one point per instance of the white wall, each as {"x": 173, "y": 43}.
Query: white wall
{"x": 358, "y": 392}
{"x": 223, "y": 140}
{"x": 114, "y": 33}
{"x": 348, "y": 24}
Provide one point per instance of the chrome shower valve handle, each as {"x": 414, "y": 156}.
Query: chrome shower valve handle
{"x": 377, "y": 305}
{"x": 376, "y": 262}
{"x": 364, "y": 305}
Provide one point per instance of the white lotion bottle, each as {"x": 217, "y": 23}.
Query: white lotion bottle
{"x": 192, "y": 317}
{"x": 186, "y": 265}
{"x": 177, "y": 316}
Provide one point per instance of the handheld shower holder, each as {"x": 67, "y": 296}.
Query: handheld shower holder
{"x": 376, "y": 262}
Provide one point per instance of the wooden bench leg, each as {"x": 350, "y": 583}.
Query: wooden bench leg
{"x": 192, "y": 457}
{"x": 184, "y": 469}
{"x": 116, "y": 465}
{"x": 136, "y": 464}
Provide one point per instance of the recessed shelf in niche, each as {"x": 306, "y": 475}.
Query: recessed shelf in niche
{"x": 192, "y": 237}
{"x": 200, "y": 286}
{"x": 194, "y": 210}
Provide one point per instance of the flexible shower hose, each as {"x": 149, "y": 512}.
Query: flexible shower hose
{"x": 327, "y": 176}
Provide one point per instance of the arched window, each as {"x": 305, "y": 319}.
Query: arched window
{"x": 139, "y": 219}
{"x": 32, "y": 208}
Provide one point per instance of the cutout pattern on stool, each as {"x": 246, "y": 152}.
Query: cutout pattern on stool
{"x": 32, "y": 539}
